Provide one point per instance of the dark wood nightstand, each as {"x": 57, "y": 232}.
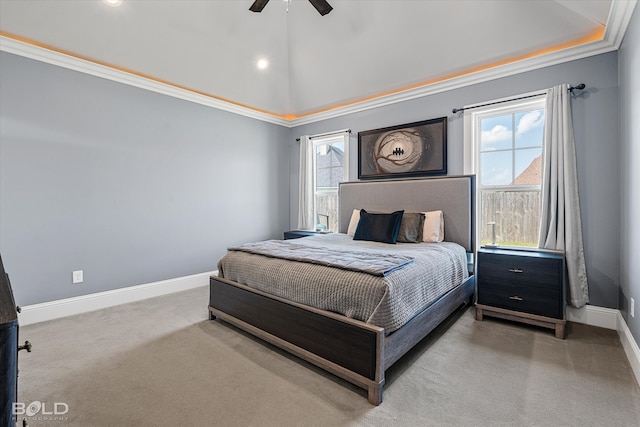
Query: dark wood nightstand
{"x": 525, "y": 286}
{"x": 296, "y": 234}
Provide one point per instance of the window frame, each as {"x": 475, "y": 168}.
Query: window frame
{"x": 473, "y": 116}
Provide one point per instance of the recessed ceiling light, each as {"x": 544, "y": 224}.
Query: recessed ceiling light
{"x": 113, "y": 3}
{"x": 262, "y": 63}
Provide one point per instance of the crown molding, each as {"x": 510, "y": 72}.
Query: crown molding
{"x": 498, "y": 72}
{"x": 70, "y": 62}
{"x": 617, "y": 22}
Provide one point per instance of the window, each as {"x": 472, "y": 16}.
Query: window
{"x": 330, "y": 167}
{"x": 503, "y": 147}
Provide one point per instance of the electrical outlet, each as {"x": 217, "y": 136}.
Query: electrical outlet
{"x": 78, "y": 276}
{"x": 632, "y": 307}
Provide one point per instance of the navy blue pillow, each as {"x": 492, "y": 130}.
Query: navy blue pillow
{"x": 378, "y": 227}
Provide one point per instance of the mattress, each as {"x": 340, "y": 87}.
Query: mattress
{"x": 388, "y": 301}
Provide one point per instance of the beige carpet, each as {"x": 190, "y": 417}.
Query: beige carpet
{"x": 160, "y": 362}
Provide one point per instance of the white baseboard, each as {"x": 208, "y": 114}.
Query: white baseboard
{"x": 82, "y": 304}
{"x": 630, "y": 346}
{"x": 609, "y": 318}
{"x": 601, "y": 317}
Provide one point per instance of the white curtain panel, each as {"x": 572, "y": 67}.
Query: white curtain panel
{"x": 305, "y": 188}
{"x": 561, "y": 226}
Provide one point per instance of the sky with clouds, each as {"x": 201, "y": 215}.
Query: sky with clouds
{"x": 499, "y": 163}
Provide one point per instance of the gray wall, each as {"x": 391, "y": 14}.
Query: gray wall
{"x": 629, "y": 65}
{"x": 128, "y": 185}
{"x": 595, "y": 114}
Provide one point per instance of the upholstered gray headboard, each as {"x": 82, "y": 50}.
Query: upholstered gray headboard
{"x": 454, "y": 195}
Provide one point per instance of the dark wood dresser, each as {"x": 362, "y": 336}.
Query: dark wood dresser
{"x": 8, "y": 351}
{"x": 524, "y": 286}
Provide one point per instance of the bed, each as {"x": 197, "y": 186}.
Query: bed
{"x": 357, "y": 347}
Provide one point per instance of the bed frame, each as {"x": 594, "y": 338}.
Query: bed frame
{"x": 353, "y": 350}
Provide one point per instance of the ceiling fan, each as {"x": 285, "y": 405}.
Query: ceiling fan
{"x": 321, "y": 6}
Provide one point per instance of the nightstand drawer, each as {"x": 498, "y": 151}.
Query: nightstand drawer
{"x": 519, "y": 270}
{"x": 543, "y": 301}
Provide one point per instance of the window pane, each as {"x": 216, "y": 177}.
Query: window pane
{"x": 516, "y": 214}
{"x": 529, "y": 128}
{"x": 528, "y": 166}
{"x": 329, "y": 166}
{"x": 496, "y": 168}
{"x": 496, "y": 133}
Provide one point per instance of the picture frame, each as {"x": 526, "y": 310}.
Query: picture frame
{"x": 409, "y": 150}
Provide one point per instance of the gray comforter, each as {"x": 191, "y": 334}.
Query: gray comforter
{"x": 388, "y": 301}
{"x": 378, "y": 264}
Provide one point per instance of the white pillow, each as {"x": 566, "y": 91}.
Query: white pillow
{"x": 433, "y": 230}
{"x": 353, "y": 223}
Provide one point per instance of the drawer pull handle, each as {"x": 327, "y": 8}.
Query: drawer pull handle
{"x": 516, "y": 270}
{"x": 517, "y": 298}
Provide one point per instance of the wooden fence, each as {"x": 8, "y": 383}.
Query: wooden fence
{"x": 516, "y": 214}
{"x": 327, "y": 208}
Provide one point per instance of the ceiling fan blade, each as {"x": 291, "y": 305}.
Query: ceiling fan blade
{"x": 321, "y": 6}
{"x": 258, "y": 5}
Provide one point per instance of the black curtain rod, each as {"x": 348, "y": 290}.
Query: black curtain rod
{"x": 325, "y": 134}
{"x": 571, "y": 89}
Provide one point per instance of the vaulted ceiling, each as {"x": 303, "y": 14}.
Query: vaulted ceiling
{"x": 360, "y": 52}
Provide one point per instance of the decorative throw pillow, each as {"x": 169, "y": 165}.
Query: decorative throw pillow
{"x": 353, "y": 224}
{"x": 379, "y": 227}
{"x": 411, "y": 228}
{"x": 433, "y": 230}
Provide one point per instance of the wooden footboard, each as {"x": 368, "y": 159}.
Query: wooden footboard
{"x": 353, "y": 350}
{"x": 345, "y": 347}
